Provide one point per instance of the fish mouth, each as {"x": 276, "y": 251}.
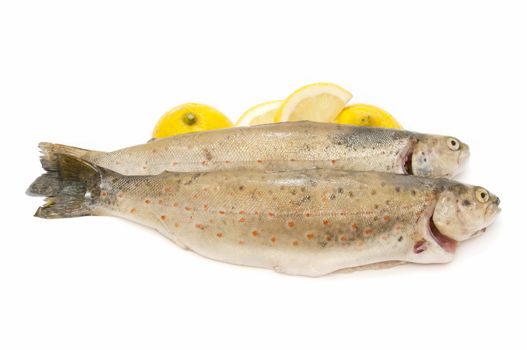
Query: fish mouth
{"x": 446, "y": 243}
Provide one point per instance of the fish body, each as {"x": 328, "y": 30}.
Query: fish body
{"x": 307, "y": 222}
{"x": 284, "y": 146}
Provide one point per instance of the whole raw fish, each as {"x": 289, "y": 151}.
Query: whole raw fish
{"x": 304, "y": 222}
{"x": 295, "y": 145}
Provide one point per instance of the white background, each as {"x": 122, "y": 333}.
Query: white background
{"x": 98, "y": 75}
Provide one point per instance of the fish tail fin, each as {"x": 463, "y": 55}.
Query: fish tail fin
{"x": 46, "y": 185}
{"x": 71, "y": 186}
{"x": 51, "y": 150}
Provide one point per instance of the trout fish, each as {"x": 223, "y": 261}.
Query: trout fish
{"x": 309, "y": 222}
{"x": 292, "y": 145}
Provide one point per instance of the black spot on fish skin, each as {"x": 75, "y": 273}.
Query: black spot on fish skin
{"x": 340, "y": 190}
{"x": 400, "y": 238}
{"x": 301, "y": 201}
{"x": 397, "y": 189}
{"x": 208, "y": 155}
{"x": 241, "y": 188}
{"x": 332, "y": 196}
{"x": 466, "y": 202}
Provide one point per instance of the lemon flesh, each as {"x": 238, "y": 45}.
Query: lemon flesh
{"x": 264, "y": 113}
{"x": 320, "y": 102}
{"x": 367, "y": 115}
{"x": 190, "y": 117}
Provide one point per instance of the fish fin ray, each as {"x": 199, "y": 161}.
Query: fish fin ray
{"x": 71, "y": 187}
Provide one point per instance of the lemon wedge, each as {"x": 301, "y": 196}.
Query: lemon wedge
{"x": 264, "y": 113}
{"x": 190, "y": 117}
{"x": 320, "y": 102}
{"x": 367, "y": 115}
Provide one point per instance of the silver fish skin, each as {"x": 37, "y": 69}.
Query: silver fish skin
{"x": 281, "y": 146}
{"x": 304, "y": 222}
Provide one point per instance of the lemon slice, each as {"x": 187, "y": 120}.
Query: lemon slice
{"x": 320, "y": 102}
{"x": 190, "y": 117}
{"x": 367, "y": 115}
{"x": 264, "y": 113}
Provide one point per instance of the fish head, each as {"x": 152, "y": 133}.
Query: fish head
{"x": 464, "y": 211}
{"x": 437, "y": 156}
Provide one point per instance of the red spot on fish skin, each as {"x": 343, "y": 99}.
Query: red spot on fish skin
{"x": 148, "y": 201}
{"x": 307, "y": 215}
{"x": 221, "y": 212}
{"x": 273, "y": 239}
{"x": 290, "y": 224}
{"x": 188, "y": 208}
{"x": 309, "y": 236}
{"x": 256, "y": 213}
{"x": 328, "y": 237}
{"x": 176, "y": 224}
{"x": 295, "y": 242}
{"x": 325, "y": 222}
{"x": 205, "y": 207}
{"x": 242, "y": 212}
{"x": 133, "y": 211}
{"x": 175, "y": 205}
{"x": 259, "y": 161}
{"x": 343, "y": 238}
{"x": 195, "y": 196}
{"x": 200, "y": 226}
{"x": 174, "y": 163}
{"x": 242, "y": 220}
{"x": 163, "y": 217}
{"x": 270, "y": 214}
{"x": 167, "y": 189}
{"x": 104, "y": 193}
{"x": 219, "y": 234}
{"x": 241, "y": 241}
{"x": 254, "y": 233}
{"x": 355, "y": 227}
{"x": 368, "y": 231}
{"x": 420, "y": 246}
{"x": 333, "y": 161}
{"x": 386, "y": 218}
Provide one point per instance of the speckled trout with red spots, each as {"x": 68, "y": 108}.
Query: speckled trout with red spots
{"x": 293, "y": 145}
{"x": 302, "y": 222}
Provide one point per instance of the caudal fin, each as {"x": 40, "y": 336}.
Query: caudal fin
{"x": 46, "y": 185}
{"x": 71, "y": 185}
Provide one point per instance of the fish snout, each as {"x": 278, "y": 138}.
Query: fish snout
{"x": 464, "y": 155}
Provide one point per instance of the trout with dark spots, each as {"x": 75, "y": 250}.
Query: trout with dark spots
{"x": 292, "y": 145}
{"x": 300, "y": 222}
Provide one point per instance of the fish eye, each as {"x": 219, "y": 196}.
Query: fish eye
{"x": 453, "y": 144}
{"x": 482, "y": 195}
